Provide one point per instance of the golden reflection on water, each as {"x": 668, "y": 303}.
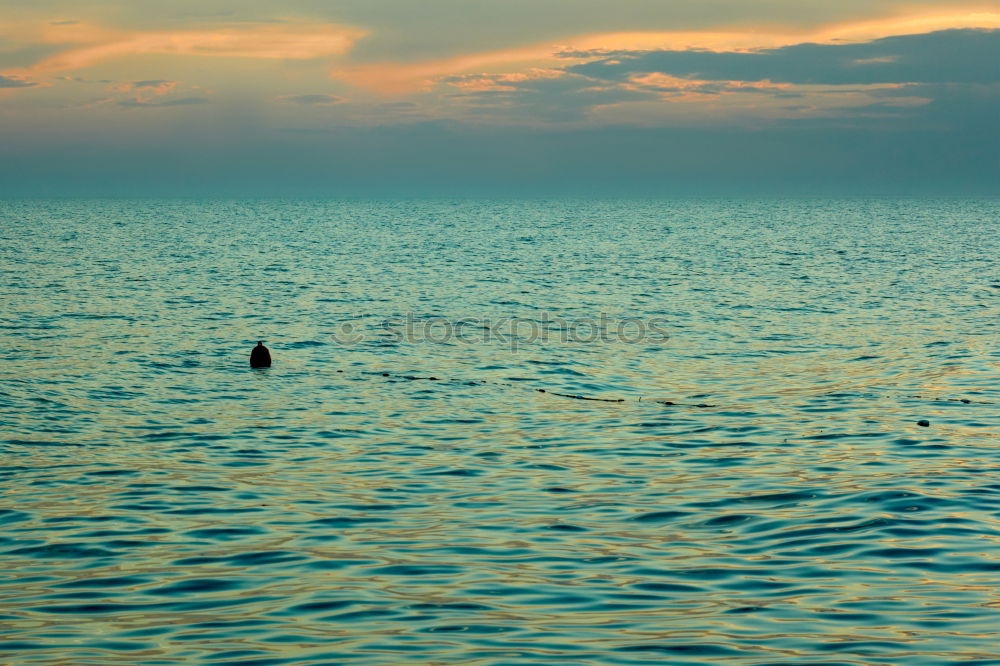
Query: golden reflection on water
{"x": 183, "y": 507}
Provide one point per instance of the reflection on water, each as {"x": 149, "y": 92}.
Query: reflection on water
{"x": 167, "y": 504}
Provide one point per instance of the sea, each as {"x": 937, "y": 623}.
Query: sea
{"x": 500, "y": 432}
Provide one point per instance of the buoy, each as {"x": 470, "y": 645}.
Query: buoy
{"x": 924, "y": 423}
{"x": 260, "y": 356}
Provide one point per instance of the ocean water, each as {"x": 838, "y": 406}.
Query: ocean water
{"x": 658, "y": 432}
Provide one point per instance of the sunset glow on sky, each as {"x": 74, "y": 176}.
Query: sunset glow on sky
{"x": 316, "y": 97}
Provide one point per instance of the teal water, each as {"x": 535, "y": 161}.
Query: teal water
{"x": 163, "y": 503}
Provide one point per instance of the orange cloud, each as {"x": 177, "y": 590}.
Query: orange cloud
{"x": 863, "y": 31}
{"x": 499, "y": 83}
{"x": 661, "y": 81}
{"x": 285, "y": 41}
{"x": 395, "y": 78}
{"x": 399, "y": 78}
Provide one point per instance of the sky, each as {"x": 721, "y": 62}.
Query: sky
{"x": 499, "y": 97}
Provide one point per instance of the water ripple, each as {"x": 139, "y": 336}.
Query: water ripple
{"x": 763, "y": 493}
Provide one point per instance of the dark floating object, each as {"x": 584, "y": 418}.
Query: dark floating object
{"x": 925, "y": 424}
{"x": 260, "y": 356}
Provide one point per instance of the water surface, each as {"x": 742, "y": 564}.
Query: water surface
{"x": 166, "y": 504}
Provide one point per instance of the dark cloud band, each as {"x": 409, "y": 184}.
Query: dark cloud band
{"x": 947, "y": 56}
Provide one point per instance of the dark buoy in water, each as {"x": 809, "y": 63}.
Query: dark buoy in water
{"x": 924, "y": 424}
{"x": 260, "y": 357}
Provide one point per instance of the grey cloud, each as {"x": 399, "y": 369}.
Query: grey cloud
{"x": 947, "y": 56}
{"x": 184, "y": 101}
{"x": 313, "y": 100}
{"x": 969, "y": 109}
{"x": 974, "y": 107}
{"x": 9, "y": 82}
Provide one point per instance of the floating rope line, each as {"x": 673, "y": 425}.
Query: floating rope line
{"x": 583, "y": 397}
{"x": 260, "y": 357}
{"x": 963, "y": 400}
{"x": 479, "y": 382}
{"x": 573, "y": 396}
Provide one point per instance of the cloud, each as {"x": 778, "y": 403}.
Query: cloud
{"x": 948, "y": 56}
{"x": 669, "y": 85}
{"x": 397, "y": 78}
{"x": 542, "y": 94}
{"x": 313, "y": 100}
{"x": 13, "y": 82}
{"x": 145, "y": 92}
{"x": 406, "y": 77}
{"x": 184, "y": 101}
{"x": 301, "y": 41}
{"x": 154, "y": 93}
{"x": 836, "y": 82}
{"x": 971, "y": 106}
{"x": 154, "y": 87}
